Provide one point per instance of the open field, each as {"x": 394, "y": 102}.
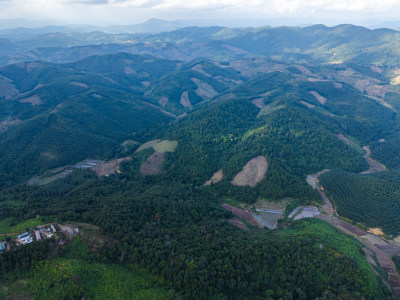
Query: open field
{"x": 252, "y": 173}
{"x": 8, "y": 226}
{"x": 159, "y": 146}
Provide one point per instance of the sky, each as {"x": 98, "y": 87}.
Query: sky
{"x": 205, "y": 12}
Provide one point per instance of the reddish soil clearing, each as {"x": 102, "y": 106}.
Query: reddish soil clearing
{"x": 374, "y": 166}
{"x": 153, "y": 164}
{"x": 241, "y": 213}
{"x": 217, "y": 177}
{"x": 110, "y": 167}
{"x": 236, "y": 222}
{"x": 320, "y": 99}
{"x": 252, "y": 173}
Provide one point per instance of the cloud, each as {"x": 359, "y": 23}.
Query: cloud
{"x": 134, "y": 11}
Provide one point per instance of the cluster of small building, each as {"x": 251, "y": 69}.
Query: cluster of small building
{"x": 3, "y": 246}
{"x": 40, "y": 233}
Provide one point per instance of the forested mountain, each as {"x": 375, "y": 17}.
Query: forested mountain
{"x": 197, "y": 132}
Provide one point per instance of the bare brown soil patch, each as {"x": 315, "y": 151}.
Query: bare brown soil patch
{"x": 320, "y": 99}
{"x": 252, "y": 173}
{"x": 204, "y": 90}
{"x": 217, "y": 177}
{"x": 153, "y": 164}
{"x": 376, "y": 69}
{"x": 376, "y": 231}
{"x": 110, "y": 167}
{"x": 259, "y": 102}
{"x": 163, "y": 101}
{"x": 128, "y": 70}
{"x": 199, "y": 68}
{"x": 185, "y": 102}
{"x": 241, "y": 213}
{"x": 34, "y": 100}
{"x": 236, "y": 222}
{"x": 80, "y": 84}
{"x": 374, "y": 166}
{"x": 309, "y": 105}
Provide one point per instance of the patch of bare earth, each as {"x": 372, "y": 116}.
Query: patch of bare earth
{"x": 128, "y": 70}
{"x": 80, "y": 84}
{"x": 236, "y": 222}
{"x": 153, "y": 164}
{"x": 199, "y": 68}
{"x": 320, "y": 99}
{"x": 374, "y": 166}
{"x": 252, "y": 173}
{"x": 217, "y": 177}
{"x": 243, "y": 214}
{"x": 34, "y": 100}
{"x": 163, "y": 101}
{"x": 110, "y": 167}
{"x": 204, "y": 90}
{"x": 309, "y": 105}
{"x": 343, "y": 138}
{"x": 376, "y": 69}
{"x": 185, "y": 102}
{"x": 259, "y": 102}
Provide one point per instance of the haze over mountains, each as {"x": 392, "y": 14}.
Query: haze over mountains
{"x": 197, "y": 135}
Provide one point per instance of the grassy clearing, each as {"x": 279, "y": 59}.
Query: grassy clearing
{"x": 8, "y": 225}
{"x": 166, "y": 146}
{"x": 159, "y": 146}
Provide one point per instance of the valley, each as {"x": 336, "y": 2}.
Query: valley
{"x": 202, "y": 163}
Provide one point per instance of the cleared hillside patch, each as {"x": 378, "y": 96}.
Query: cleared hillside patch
{"x": 185, "y": 102}
{"x": 34, "y": 100}
{"x": 159, "y": 146}
{"x": 320, "y": 99}
{"x": 217, "y": 177}
{"x": 153, "y": 164}
{"x": 252, "y": 173}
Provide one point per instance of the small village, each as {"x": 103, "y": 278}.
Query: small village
{"x": 40, "y": 233}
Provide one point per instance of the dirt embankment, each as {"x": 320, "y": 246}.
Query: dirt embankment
{"x": 252, "y": 173}
{"x": 110, "y": 167}
{"x": 241, "y": 213}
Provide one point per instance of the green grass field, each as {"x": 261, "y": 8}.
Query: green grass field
{"x": 8, "y": 225}
{"x": 75, "y": 275}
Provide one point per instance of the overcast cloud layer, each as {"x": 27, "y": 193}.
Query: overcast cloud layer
{"x": 105, "y": 12}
